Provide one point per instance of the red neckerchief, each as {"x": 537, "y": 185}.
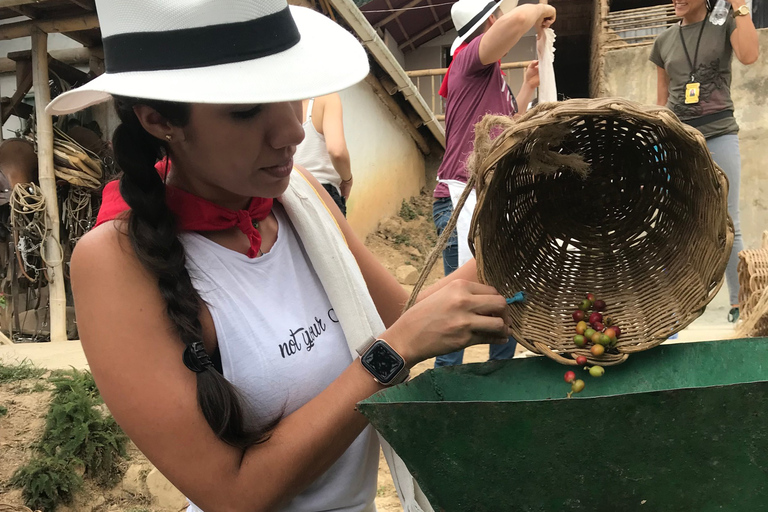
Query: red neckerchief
{"x": 444, "y": 86}
{"x": 194, "y": 213}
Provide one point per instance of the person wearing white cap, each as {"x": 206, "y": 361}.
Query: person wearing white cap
{"x": 473, "y": 87}
{"x": 222, "y": 301}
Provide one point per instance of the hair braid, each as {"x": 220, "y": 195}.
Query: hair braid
{"x": 154, "y": 238}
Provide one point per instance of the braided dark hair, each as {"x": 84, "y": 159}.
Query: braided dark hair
{"x": 154, "y": 238}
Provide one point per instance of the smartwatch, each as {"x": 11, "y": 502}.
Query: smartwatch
{"x": 383, "y": 362}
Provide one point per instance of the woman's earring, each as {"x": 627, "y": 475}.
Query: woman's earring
{"x": 168, "y": 138}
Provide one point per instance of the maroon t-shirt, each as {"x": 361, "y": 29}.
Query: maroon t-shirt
{"x": 474, "y": 90}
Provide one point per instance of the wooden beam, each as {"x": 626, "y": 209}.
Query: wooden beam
{"x": 25, "y": 10}
{"x": 24, "y": 84}
{"x": 71, "y": 56}
{"x": 396, "y": 14}
{"x": 399, "y": 23}
{"x": 425, "y": 32}
{"x": 24, "y": 28}
{"x": 88, "y": 5}
{"x": 434, "y": 15}
{"x": 54, "y": 254}
{"x": 15, "y": 3}
{"x": 400, "y": 116}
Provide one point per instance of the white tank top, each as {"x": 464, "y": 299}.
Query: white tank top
{"x": 312, "y": 153}
{"x": 281, "y": 345}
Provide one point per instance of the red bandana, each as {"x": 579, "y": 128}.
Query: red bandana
{"x": 444, "y": 86}
{"x": 194, "y": 213}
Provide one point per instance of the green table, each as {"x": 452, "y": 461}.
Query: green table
{"x": 677, "y": 428}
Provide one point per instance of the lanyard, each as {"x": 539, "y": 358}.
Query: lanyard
{"x": 696, "y": 53}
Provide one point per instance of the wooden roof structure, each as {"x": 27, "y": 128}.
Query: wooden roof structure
{"x": 75, "y": 18}
{"x": 411, "y": 22}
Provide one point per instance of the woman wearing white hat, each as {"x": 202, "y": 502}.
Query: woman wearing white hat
{"x": 221, "y": 314}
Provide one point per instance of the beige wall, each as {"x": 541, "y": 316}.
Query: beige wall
{"x": 386, "y": 163}
{"x": 629, "y": 74}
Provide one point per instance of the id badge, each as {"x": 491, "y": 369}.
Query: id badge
{"x": 692, "y": 93}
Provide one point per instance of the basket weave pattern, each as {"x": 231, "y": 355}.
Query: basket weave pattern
{"x": 603, "y": 196}
{"x": 753, "y": 291}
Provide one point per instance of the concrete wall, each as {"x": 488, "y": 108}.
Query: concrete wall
{"x": 386, "y": 163}
{"x": 629, "y": 74}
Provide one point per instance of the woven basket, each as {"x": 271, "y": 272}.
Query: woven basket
{"x": 604, "y": 196}
{"x": 753, "y": 291}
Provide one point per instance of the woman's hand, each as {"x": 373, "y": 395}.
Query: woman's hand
{"x": 459, "y": 315}
{"x": 346, "y": 187}
{"x": 531, "y": 76}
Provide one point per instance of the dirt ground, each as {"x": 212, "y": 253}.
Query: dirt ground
{"x": 404, "y": 239}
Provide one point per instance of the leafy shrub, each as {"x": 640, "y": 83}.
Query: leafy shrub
{"x": 47, "y": 482}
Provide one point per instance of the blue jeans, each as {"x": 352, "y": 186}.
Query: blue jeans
{"x": 725, "y": 153}
{"x": 442, "y": 209}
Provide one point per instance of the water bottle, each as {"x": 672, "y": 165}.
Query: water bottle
{"x": 719, "y": 13}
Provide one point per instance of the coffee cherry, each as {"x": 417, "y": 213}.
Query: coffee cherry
{"x": 599, "y": 305}
{"x": 597, "y": 371}
{"x": 569, "y": 377}
{"x": 581, "y": 360}
{"x": 577, "y": 386}
{"x": 597, "y": 350}
{"x": 579, "y": 340}
{"x": 581, "y": 327}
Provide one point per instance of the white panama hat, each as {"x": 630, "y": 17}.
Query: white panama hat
{"x": 218, "y": 51}
{"x": 468, "y": 16}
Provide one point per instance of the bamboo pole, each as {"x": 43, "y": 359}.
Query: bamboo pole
{"x": 44, "y": 132}
{"x": 442, "y": 71}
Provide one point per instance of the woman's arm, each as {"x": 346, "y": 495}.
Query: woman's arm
{"x": 744, "y": 38}
{"x": 388, "y": 295}
{"x": 530, "y": 83}
{"x": 662, "y": 86}
{"x": 335, "y": 142}
{"x": 136, "y": 359}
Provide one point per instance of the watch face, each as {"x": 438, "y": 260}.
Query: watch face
{"x": 382, "y": 362}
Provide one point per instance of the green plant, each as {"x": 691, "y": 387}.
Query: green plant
{"x": 402, "y": 239}
{"x": 3, "y": 410}
{"x": 76, "y": 428}
{"x": 407, "y": 212}
{"x": 21, "y": 371}
{"x": 47, "y": 482}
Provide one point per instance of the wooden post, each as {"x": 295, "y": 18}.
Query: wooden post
{"x": 44, "y": 132}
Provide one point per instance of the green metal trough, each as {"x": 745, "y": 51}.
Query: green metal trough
{"x": 678, "y": 428}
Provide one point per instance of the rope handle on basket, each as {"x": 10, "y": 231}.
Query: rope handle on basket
{"x": 438, "y": 249}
